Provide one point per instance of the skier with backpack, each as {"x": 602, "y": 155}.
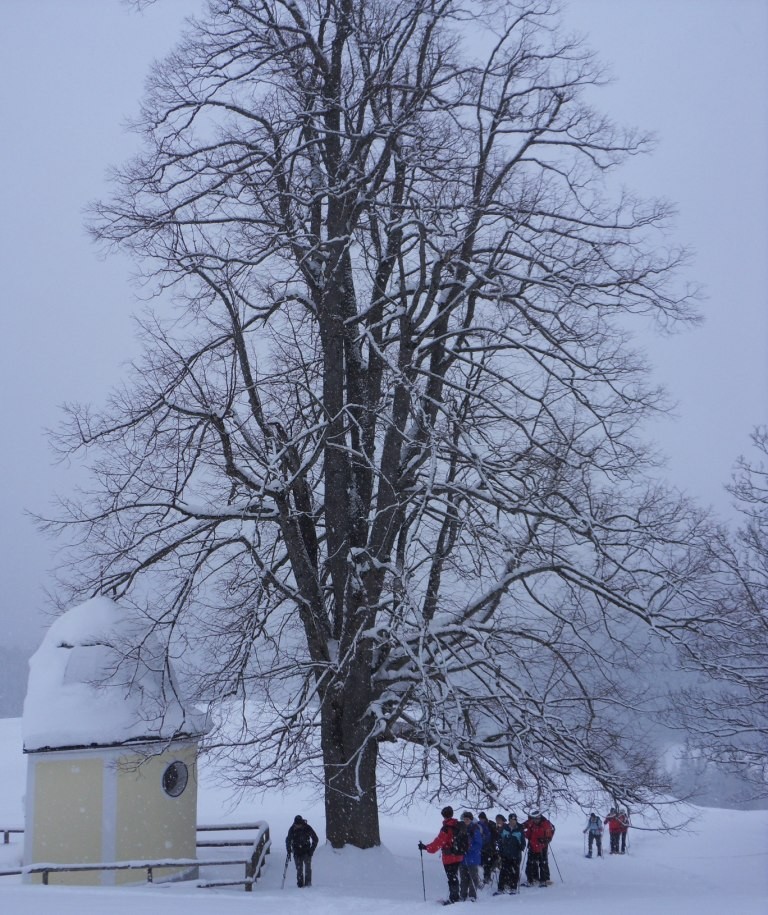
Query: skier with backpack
{"x": 301, "y": 842}
{"x": 510, "y": 844}
{"x": 453, "y": 842}
{"x": 539, "y": 832}
{"x": 594, "y": 830}
{"x": 468, "y": 869}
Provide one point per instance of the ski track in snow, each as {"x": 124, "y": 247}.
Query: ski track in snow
{"x": 719, "y": 865}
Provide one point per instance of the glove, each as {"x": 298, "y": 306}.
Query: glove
{"x": 422, "y": 846}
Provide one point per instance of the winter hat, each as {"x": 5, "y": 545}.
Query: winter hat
{"x": 446, "y": 813}
{"x": 535, "y": 813}
{"x": 298, "y": 820}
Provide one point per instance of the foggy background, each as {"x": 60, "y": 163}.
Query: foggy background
{"x": 71, "y": 74}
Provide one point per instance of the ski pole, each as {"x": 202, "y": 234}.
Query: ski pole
{"x": 423, "y": 885}
{"x": 285, "y": 871}
{"x": 554, "y": 861}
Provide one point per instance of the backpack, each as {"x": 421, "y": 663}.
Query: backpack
{"x": 302, "y": 841}
{"x": 460, "y": 841}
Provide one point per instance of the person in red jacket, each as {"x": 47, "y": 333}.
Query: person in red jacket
{"x": 615, "y": 829}
{"x": 624, "y": 820}
{"x": 539, "y": 832}
{"x": 443, "y": 842}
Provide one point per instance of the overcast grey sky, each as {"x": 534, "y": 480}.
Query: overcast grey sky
{"x": 695, "y": 71}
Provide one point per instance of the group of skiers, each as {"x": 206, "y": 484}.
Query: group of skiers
{"x": 468, "y": 844}
{"x": 617, "y": 822}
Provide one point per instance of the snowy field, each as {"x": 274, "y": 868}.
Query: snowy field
{"x": 718, "y": 867}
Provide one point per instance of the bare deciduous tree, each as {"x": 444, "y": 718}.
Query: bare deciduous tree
{"x": 381, "y": 476}
{"x": 726, "y": 716}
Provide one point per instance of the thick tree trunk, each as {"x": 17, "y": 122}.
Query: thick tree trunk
{"x": 349, "y": 757}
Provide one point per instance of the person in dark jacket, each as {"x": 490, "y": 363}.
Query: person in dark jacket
{"x": 519, "y": 834}
{"x": 301, "y": 843}
{"x": 488, "y": 855}
{"x": 443, "y": 842}
{"x": 510, "y": 844}
{"x": 539, "y": 832}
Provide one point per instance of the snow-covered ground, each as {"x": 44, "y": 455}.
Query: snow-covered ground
{"x": 718, "y": 866}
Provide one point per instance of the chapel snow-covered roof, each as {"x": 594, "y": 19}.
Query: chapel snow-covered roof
{"x": 101, "y": 678}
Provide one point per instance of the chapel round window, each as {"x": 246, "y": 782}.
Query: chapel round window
{"x": 175, "y": 778}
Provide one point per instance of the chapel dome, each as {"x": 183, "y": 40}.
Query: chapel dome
{"x": 102, "y": 678}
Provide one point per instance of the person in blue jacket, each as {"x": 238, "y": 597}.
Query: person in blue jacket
{"x": 594, "y": 829}
{"x": 470, "y": 866}
{"x": 488, "y": 854}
